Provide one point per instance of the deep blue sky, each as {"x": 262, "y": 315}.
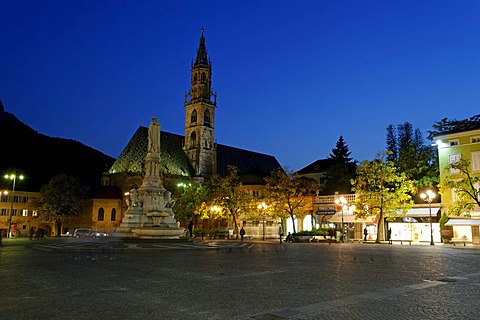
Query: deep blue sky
{"x": 291, "y": 76}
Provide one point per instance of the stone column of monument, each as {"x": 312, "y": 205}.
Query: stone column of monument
{"x": 151, "y": 200}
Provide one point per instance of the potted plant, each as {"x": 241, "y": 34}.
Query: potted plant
{"x": 446, "y": 232}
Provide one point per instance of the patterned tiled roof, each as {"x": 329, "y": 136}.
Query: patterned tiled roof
{"x": 174, "y": 161}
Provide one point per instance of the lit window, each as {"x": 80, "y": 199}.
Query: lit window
{"x": 475, "y": 139}
{"x": 34, "y": 213}
{"x": 24, "y": 213}
{"x": 101, "y": 214}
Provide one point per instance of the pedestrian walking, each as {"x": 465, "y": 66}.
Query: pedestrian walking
{"x": 331, "y": 233}
{"x": 242, "y": 233}
{"x": 365, "y": 234}
{"x": 280, "y": 233}
{"x": 389, "y": 235}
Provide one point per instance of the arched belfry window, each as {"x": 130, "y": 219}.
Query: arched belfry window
{"x": 193, "y": 118}
{"x": 101, "y": 214}
{"x": 193, "y": 140}
{"x": 113, "y": 214}
{"x": 203, "y": 77}
{"x": 206, "y": 118}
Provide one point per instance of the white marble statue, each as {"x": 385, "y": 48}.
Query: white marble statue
{"x": 154, "y": 136}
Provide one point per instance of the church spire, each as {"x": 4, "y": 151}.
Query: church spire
{"x": 202, "y": 58}
{"x": 200, "y": 104}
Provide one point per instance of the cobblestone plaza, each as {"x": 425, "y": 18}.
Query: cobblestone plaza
{"x": 77, "y": 279}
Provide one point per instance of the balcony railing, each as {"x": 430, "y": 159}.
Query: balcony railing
{"x": 330, "y": 199}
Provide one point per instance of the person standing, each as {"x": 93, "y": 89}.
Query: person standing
{"x": 280, "y": 233}
{"x": 365, "y": 234}
{"x": 389, "y": 234}
{"x": 242, "y": 233}
{"x": 190, "y": 227}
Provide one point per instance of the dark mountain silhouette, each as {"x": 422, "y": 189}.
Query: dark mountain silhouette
{"x": 40, "y": 157}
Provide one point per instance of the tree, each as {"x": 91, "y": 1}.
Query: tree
{"x": 287, "y": 194}
{"x": 381, "y": 190}
{"x": 464, "y": 184}
{"x": 193, "y": 202}
{"x": 407, "y": 150}
{"x": 230, "y": 196}
{"x": 341, "y": 171}
{"x": 59, "y": 200}
{"x": 341, "y": 152}
{"x": 445, "y": 125}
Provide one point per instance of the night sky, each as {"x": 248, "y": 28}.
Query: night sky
{"x": 291, "y": 76}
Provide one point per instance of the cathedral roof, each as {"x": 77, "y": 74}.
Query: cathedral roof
{"x": 174, "y": 161}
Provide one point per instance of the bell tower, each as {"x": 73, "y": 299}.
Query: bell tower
{"x": 200, "y": 104}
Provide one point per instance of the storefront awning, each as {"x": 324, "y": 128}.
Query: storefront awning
{"x": 349, "y": 218}
{"x": 463, "y": 222}
{"x": 419, "y": 212}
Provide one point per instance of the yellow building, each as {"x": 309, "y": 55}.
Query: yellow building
{"x": 453, "y": 146}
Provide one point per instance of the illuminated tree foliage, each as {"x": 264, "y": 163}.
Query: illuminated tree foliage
{"x": 287, "y": 194}
{"x": 464, "y": 184}
{"x": 59, "y": 200}
{"x": 193, "y": 202}
{"x": 381, "y": 190}
{"x": 230, "y": 197}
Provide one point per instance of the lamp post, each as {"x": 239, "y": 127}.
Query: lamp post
{"x": 428, "y": 196}
{"x": 262, "y": 206}
{"x": 343, "y": 202}
{"x": 12, "y": 177}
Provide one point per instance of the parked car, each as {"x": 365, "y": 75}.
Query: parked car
{"x": 99, "y": 234}
{"x": 87, "y": 233}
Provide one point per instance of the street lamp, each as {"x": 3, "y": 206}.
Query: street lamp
{"x": 428, "y": 196}
{"x": 343, "y": 202}
{"x": 12, "y": 177}
{"x": 262, "y": 206}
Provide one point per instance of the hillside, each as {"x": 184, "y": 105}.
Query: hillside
{"x": 40, "y": 157}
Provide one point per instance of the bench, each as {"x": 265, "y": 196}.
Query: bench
{"x": 402, "y": 241}
{"x": 459, "y": 240}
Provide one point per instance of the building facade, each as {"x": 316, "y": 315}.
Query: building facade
{"x": 453, "y": 146}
